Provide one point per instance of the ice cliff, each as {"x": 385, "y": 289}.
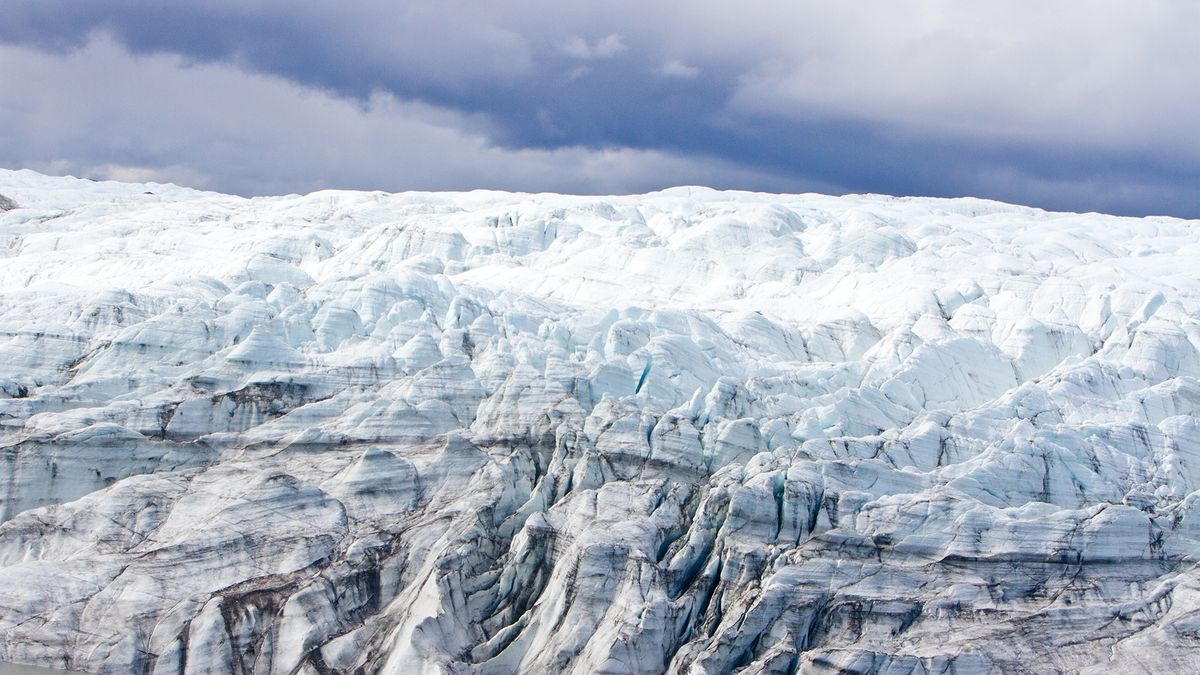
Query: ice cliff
{"x": 687, "y": 432}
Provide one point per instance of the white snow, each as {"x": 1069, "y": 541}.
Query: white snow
{"x": 690, "y": 431}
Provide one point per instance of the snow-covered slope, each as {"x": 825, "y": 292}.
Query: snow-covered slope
{"x": 690, "y": 431}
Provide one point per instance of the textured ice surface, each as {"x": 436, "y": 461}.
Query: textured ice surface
{"x": 691, "y": 431}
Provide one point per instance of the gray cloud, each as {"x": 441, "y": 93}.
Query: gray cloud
{"x": 604, "y": 48}
{"x": 103, "y": 113}
{"x": 1060, "y": 103}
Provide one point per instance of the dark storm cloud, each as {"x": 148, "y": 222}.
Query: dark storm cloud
{"x": 1066, "y": 105}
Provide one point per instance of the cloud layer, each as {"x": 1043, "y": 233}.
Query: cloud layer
{"x": 1081, "y": 106}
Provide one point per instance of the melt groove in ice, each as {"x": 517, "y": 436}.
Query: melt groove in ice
{"x": 688, "y": 432}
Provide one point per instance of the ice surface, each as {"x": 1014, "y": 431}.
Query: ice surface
{"x": 691, "y": 431}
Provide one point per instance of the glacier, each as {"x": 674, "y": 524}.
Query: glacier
{"x": 689, "y": 431}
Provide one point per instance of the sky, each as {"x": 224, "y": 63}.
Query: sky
{"x": 1080, "y": 106}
